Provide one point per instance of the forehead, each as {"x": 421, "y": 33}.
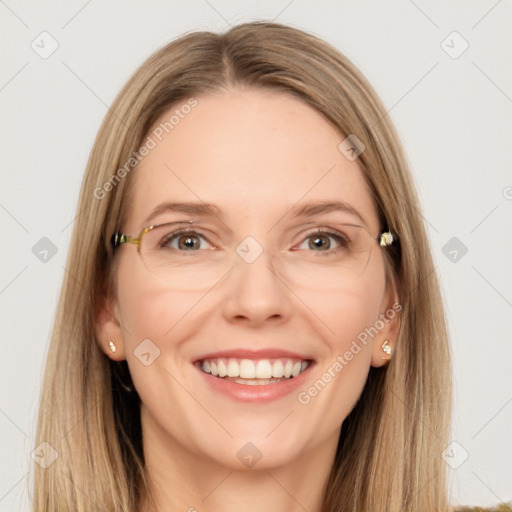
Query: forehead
{"x": 254, "y": 153}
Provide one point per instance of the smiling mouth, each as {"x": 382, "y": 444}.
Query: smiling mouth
{"x": 251, "y": 372}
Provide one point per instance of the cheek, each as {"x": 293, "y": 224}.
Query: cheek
{"x": 345, "y": 313}
{"x": 147, "y": 308}
{"x": 155, "y": 322}
{"x": 347, "y": 319}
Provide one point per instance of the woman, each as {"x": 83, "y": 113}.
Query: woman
{"x": 251, "y": 318}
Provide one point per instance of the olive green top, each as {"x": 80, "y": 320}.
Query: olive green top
{"x": 504, "y": 507}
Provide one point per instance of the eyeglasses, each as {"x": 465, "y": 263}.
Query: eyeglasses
{"x": 321, "y": 258}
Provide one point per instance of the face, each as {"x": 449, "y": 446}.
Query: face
{"x": 243, "y": 319}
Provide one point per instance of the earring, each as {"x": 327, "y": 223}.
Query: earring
{"x": 112, "y": 346}
{"x": 387, "y": 349}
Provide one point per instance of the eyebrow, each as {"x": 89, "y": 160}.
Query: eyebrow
{"x": 199, "y": 209}
{"x": 314, "y": 209}
{"x": 211, "y": 210}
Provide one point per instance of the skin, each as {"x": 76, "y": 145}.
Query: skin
{"x": 256, "y": 154}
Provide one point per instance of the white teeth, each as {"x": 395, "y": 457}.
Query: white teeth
{"x": 288, "y": 368}
{"x": 255, "y": 382}
{"x": 223, "y": 371}
{"x": 233, "y": 368}
{"x": 254, "y": 372}
{"x": 264, "y": 370}
{"x": 247, "y": 369}
{"x": 278, "y": 369}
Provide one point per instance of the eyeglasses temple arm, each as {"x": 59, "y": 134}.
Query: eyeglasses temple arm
{"x": 118, "y": 238}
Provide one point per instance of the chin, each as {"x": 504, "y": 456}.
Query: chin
{"x": 258, "y": 451}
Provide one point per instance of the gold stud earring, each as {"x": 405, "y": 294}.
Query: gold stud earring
{"x": 387, "y": 349}
{"x": 112, "y": 346}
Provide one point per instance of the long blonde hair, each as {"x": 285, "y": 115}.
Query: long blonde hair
{"x": 389, "y": 451}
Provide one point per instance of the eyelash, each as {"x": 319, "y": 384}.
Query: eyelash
{"x": 339, "y": 237}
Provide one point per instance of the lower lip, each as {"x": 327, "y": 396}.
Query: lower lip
{"x": 258, "y": 393}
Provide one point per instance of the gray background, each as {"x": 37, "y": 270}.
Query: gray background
{"x": 452, "y": 110}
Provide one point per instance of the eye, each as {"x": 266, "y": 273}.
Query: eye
{"x": 186, "y": 241}
{"x": 323, "y": 241}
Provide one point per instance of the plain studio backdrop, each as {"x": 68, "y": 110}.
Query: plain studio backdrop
{"x": 443, "y": 72}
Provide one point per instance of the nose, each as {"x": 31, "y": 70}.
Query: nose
{"x": 254, "y": 294}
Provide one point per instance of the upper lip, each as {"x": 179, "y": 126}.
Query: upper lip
{"x": 270, "y": 353}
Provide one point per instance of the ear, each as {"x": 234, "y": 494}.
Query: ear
{"x": 108, "y": 328}
{"x": 387, "y": 325}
